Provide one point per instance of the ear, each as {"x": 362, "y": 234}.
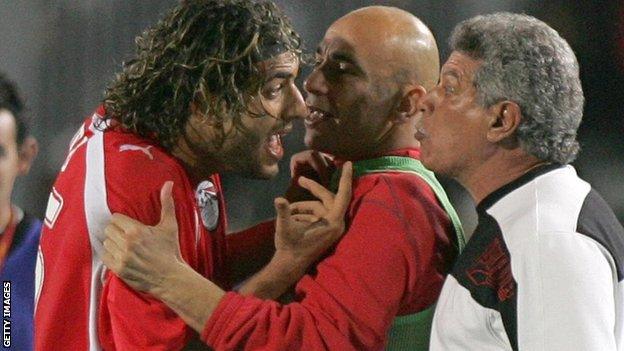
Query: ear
{"x": 407, "y": 107}
{"x": 27, "y": 153}
{"x": 505, "y": 118}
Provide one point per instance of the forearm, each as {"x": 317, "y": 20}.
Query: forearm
{"x": 275, "y": 278}
{"x": 190, "y": 295}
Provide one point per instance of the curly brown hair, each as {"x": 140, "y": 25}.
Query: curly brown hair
{"x": 203, "y": 52}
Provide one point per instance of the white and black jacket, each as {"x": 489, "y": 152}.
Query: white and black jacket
{"x": 542, "y": 271}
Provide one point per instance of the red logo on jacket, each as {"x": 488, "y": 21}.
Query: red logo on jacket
{"x": 493, "y": 270}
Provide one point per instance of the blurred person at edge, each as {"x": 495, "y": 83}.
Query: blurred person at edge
{"x": 211, "y": 89}
{"x": 19, "y": 232}
{"x": 376, "y": 289}
{"x": 544, "y": 268}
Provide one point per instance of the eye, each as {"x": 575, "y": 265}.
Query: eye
{"x": 345, "y": 67}
{"x": 449, "y": 90}
{"x": 339, "y": 68}
{"x": 276, "y": 89}
{"x": 271, "y": 91}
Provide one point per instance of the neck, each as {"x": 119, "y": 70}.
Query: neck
{"x": 197, "y": 167}
{"x": 400, "y": 136}
{"x": 402, "y": 144}
{"x": 495, "y": 172}
{"x": 5, "y": 215}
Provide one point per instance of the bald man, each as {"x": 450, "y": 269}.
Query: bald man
{"x": 377, "y": 287}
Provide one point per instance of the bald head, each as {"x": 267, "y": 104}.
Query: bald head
{"x": 395, "y": 42}
{"x": 372, "y": 68}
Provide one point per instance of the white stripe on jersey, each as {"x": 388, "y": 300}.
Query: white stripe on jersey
{"x": 97, "y": 216}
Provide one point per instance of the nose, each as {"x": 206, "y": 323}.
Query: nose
{"x": 296, "y": 108}
{"x": 426, "y": 105}
{"x": 316, "y": 84}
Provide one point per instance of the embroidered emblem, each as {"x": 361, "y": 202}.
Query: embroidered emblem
{"x": 208, "y": 203}
{"x": 493, "y": 270}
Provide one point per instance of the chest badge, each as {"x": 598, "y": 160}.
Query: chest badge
{"x": 208, "y": 203}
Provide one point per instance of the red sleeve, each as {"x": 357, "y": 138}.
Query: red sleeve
{"x": 129, "y": 320}
{"x": 249, "y": 250}
{"x": 348, "y": 305}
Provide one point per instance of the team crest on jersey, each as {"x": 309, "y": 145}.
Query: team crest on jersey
{"x": 208, "y": 203}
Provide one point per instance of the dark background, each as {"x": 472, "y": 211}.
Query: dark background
{"x": 62, "y": 53}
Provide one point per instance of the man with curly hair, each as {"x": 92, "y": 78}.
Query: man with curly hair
{"x": 19, "y": 232}
{"x": 211, "y": 89}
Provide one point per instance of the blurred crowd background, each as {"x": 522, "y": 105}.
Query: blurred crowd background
{"x": 63, "y": 53}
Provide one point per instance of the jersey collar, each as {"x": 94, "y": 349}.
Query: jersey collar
{"x": 501, "y": 192}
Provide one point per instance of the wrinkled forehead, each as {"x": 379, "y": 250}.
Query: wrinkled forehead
{"x": 287, "y": 62}
{"x": 461, "y": 65}
{"x": 287, "y": 58}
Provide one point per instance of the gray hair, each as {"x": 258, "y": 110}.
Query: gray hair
{"x": 527, "y": 62}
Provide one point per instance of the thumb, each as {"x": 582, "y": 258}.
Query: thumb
{"x": 282, "y": 208}
{"x": 167, "y": 210}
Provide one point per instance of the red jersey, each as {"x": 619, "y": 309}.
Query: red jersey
{"x": 81, "y": 305}
{"x": 392, "y": 261}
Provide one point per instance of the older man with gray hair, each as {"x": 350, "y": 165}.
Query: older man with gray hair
{"x": 544, "y": 268}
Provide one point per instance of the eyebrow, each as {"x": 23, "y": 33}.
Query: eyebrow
{"x": 342, "y": 53}
{"x": 451, "y": 72}
{"x": 279, "y": 74}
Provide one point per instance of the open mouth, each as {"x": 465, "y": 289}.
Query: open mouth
{"x": 316, "y": 116}
{"x": 274, "y": 142}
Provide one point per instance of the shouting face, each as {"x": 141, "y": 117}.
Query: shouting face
{"x": 254, "y": 147}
